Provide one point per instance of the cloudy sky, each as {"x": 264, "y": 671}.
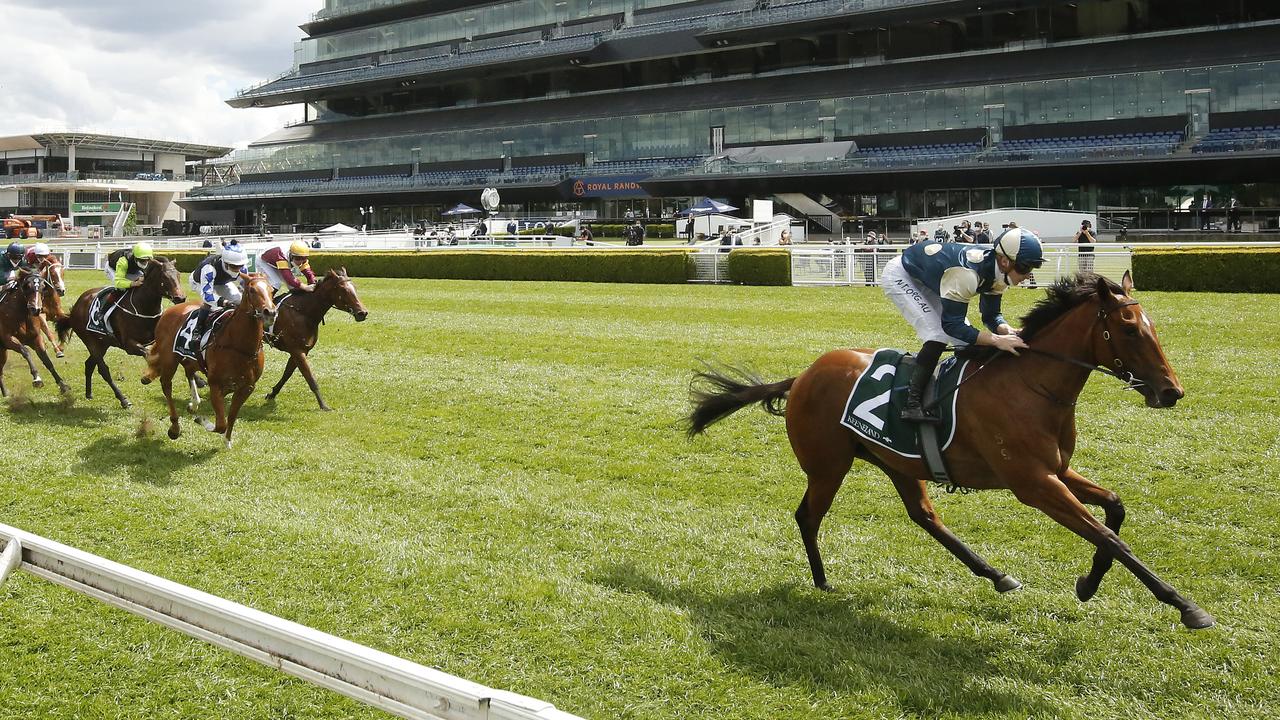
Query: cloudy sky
{"x": 153, "y": 68}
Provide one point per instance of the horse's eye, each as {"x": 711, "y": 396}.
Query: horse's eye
{"x": 1131, "y": 331}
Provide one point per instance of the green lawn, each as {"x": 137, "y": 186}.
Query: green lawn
{"x": 503, "y": 493}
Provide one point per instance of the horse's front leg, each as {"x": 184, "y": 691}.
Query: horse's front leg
{"x": 12, "y": 343}
{"x": 1090, "y": 493}
{"x": 4, "y": 355}
{"x": 218, "y": 399}
{"x": 305, "y": 367}
{"x": 48, "y": 335}
{"x": 237, "y": 400}
{"x": 1046, "y": 492}
{"x": 44, "y": 358}
{"x": 288, "y": 373}
{"x": 915, "y": 496}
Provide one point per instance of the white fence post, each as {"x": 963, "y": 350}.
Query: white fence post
{"x": 372, "y": 677}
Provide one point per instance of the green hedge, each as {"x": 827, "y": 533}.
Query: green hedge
{"x": 1255, "y": 270}
{"x": 760, "y": 266}
{"x": 654, "y": 266}
{"x": 187, "y": 259}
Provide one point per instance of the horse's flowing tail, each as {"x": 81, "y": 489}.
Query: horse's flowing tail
{"x": 717, "y": 393}
{"x": 63, "y": 323}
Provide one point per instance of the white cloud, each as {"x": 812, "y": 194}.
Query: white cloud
{"x": 149, "y": 68}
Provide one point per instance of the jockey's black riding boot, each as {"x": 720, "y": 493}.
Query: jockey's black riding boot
{"x": 926, "y": 360}
{"x": 202, "y": 319}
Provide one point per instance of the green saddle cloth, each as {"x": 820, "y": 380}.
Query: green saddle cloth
{"x": 875, "y": 404}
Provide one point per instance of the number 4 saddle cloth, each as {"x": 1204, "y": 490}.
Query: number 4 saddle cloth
{"x": 880, "y": 393}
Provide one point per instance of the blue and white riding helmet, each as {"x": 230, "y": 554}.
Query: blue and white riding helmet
{"x": 15, "y": 249}
{"x": 1022, "y": 247}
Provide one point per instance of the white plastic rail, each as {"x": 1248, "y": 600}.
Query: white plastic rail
{"x": 375, "y": 678}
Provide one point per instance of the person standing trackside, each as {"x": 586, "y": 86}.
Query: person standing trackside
{"x": 1085, "y": 239}
{"x": 688, "y": 229}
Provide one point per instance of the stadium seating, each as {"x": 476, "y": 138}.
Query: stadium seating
{"x": 1128, "y": 144}
{"x": 1241, "y": 139}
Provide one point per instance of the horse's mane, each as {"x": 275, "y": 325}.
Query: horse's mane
{"x": 1063, "y": 296}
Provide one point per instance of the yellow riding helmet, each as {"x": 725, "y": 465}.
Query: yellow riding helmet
{"x": 299, "y": 249}
{"x": 143, "y": 251}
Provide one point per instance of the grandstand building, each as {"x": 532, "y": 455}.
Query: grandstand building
{"x": 877, "y": 109}
{"x": 88, "y": 179}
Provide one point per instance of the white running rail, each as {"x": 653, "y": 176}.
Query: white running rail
{"x": 375, "y": 678}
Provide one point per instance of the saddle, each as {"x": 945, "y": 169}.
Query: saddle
{"x": 99, "y": 320}
{"x": 189, "y": 342}
{"x": 875, "y": 404}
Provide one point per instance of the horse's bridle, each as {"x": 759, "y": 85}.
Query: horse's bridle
{"x": 1131, "y": 382}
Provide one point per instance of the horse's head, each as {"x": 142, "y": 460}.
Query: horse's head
{"x": 258, "y": 298}
{"x": 53, "y": 276}
{"x": 31, "y": 286}
{"x": 1128, "y": 345}
{"x": 162, "y": 276}
{"x": 344, "y": 294}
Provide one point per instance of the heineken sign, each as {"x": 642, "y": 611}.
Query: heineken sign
{"x": 95, "y": 208}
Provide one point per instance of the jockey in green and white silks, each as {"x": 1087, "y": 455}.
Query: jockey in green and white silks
{"x": 932, "y": 284}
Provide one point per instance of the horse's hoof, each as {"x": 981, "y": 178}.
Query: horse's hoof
{"x": 1007, "y": 583}
{"x": 1085, "y": 590}
{"x": 824, "y": 587}
{"x": 125, "y": 404}
{"x": 200, "y": 383}
{"x": 326, "y": 408}
{"x": 59, "y": 354}
{"x": 174, "y": 432}
{"x": 271, "y": 397}
{"x": 64, "y": 389}
{"x": 146, "y": 380}
{"x": 228, "y": 441}
{"x": 37, "y": 383}
{"x": 192, "y": 408}
{"x": 1196, "y": 619}
{"x": 207, "y": 425}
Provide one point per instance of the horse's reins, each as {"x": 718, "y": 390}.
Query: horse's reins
{"x": 1130, "y": 381}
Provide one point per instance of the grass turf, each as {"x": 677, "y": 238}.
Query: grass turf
{"x": 503, "y": 493}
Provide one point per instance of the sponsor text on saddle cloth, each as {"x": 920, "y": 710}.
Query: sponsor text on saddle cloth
{"x": 187, "y": 344}
{"x": 876, "y": 402}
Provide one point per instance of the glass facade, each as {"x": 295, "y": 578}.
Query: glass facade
{"x": 462, "y": 24}
{"x": 1237, "y": 87}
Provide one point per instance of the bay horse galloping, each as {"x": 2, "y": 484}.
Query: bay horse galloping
{"x": 1015, "y": 428}
{"x": 232, "y": 362}
{"x": 298, "y": 326}
{"x": 133, "y": 324}
{"x": 20, "y": 317}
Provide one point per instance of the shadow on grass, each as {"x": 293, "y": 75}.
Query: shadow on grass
{"x": 54, "y": 409}
{"x": 147, "y": 460}
{"x": 790, "y": 635}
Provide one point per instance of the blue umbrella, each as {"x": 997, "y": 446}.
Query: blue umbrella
{"x": 461, "y": 209}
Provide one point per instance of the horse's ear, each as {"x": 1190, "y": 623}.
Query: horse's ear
{"x": 1103, "y": 288}
{"x": 1126, "y": 283}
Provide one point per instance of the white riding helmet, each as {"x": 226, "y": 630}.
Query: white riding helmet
{"x": 234, "y": 257}
{"x": 40, "y": 250}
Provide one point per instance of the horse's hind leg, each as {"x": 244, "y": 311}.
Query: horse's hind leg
{"x": 813, "y": 507}
{"x": 1090, "y": 493}
{"x": 44, "y": 358}
{"x": 915, "y": 495}
{"x": 90, "y": 364}
{"x": 4, "y": 355}
{"x": 13, "y": 344}
{"x": 1051, "y": 496}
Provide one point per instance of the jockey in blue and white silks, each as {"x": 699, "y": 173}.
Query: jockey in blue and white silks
{"x": 932, "y": 284}
{"x": 216, "y": 279}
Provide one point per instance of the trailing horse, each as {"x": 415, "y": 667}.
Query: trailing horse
{"x": 133, "y": 324}
{"x": 232, "y": 361}
{"x": 298, "y": 326}
{"x": 1015, "y": 428}
{"x": 20, "y": 316}
{"x": 53, "y": 289}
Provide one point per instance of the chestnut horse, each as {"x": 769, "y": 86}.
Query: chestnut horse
{"x": 53, "y": 289}
{"x": 133, "y": 324}
{"x": 20, "y": 329}
{"x": 233, "y": 361}
{"x": 298, "y": 326}
{"x": 1015, "y": 428}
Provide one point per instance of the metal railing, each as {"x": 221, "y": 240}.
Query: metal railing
{"x": 83, "y": 176}
{"x": 375, "y": 678}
